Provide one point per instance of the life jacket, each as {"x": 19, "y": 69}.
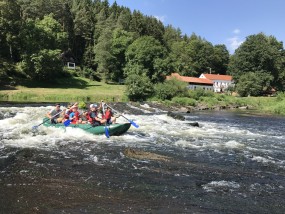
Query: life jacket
{"x": 108, "y": 115}
{"x": 76, "y": 117}
{"x": 91, "y": 116}
{"x": 67, "y": 113}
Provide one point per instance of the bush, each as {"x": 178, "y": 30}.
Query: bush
{"x": 280, "y": 96}
{"x": 185, "y": 101}
{"x": 197, "y": 94}
{"x": 209, "y": 101}
{"x": 82, "y": 105}
{"x": 279, "y": 108}
{"x": 170, "y": 89}
{"x": 164, "y": 91}
{"x": 139, "y": 87}
{"x": 44, "y": 65}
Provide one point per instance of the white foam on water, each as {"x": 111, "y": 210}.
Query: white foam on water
{"x": 215, "y": 186}
{"x": 156, "y": 129}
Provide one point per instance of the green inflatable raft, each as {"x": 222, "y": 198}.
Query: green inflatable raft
{"x": 114, "y": 129}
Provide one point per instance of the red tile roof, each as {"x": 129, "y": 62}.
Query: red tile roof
{"x": 218, "y": 77}
{"x": 191, "y": 79}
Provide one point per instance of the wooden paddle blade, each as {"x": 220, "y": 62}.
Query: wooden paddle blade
{"x": 66, "y": 123}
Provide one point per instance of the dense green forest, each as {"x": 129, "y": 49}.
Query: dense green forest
{"x": 112, "y": 43}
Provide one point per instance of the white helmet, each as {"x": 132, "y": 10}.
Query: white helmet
{"x": 93, "y": 105}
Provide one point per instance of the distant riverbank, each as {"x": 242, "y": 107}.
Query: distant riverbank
{"x": 84, "y": 90}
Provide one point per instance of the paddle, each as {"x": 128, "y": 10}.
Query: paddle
{"x": 35, "y": 127}
{"x": 106, "y": 128}
{"x": 132, "y": 122}
{"x": 66, "y": 123}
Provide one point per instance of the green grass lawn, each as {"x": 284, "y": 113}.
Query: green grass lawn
{"x": 63, "y": 90}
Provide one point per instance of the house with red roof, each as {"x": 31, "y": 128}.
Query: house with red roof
{"x": 220, "y": 82}
{"x": 194, "y": 82}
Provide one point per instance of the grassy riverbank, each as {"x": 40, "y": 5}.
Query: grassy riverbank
{"x": 82, "y": 89}
{"x": 209, "y": 100}
{"x": 63, "y": 90}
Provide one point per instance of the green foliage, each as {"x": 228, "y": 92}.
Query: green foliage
{"x": 148, "y": 53}
{"x": 82, "y": 105}
{"x": 209, "y": 101}
{"x": 170, "y": 88}
{"x": 279, "y": 108}
{"x": 260, "y": 54}
{"x": 249, "y": 84}
{"x": 52, "y": 36}
{"x": 42, "y": 34}
{"x": 280, "y": 96}
{"x": 201, "y": 55}
{"x": 120, "y": 42}
{"x": 10, "y": 25}
{"x": 139, "y": 87}
{"x": 104, "y": 58}
{"x": 107, "y": 42}
{"x": 185, "y": 101}
{"x": 221, "y": 59}
{"x": 44, "y": 65}
{"x": 197, "y": 94}
{"x": 88, "y": 73}
{"x": 5, "y": 68}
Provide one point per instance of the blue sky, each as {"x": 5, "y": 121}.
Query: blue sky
{"x": 226, "y": 22}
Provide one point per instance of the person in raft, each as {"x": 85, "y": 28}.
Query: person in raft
{"x": 108, "y": 117}
{"x": 54, "y": 114}
{"x": 93, "y": 118}
{"x": 74, "y": 116}
{"x": 68, "y": 111}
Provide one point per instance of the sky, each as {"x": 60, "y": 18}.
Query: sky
{"x": 226, "y": 22}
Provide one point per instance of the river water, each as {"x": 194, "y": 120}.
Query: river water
{"x": 233, "y": 163}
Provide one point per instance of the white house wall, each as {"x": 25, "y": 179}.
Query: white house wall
{"x": 195, "y": 87}
{"x": 221, "y": 85}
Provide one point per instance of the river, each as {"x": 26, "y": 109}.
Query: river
{"x": 233, "y": 163}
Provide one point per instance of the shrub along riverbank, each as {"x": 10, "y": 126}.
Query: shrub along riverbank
{"x": 81, "y": 89}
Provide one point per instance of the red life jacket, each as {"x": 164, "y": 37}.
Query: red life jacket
{"x": 76, "y": 117}
{"x": 108, "y": 115}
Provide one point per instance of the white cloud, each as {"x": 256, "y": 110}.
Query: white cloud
{"x": 160, "y": 18}
{"x": 234, "y": 43}
{"x": 236, "y": 31}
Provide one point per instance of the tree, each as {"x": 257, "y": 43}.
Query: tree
{"x": 170, "y": 36}
{"x": 249, "y": 85}
{"x": 83, "y": 22}
{"x": 120, "y": 42}
{"x": 221, "y": 59}
{"x": 170, "y": 88}
{"x": 53, "y": 36}
{"x": 201, "y": 55}
{"x": 124, "y": 19}
{"x": 180, "y": 59}
{"x": 104, "y": 59}
{"x": 139, "y": 86}
{"x": 259, "y": 53}
{"x": 138, "y": 23}
{"x": 148, "y": 53}
{"x": 154, "y": 28}
{"x": 10, "y": 25}
{"x": 45, "y": 65}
